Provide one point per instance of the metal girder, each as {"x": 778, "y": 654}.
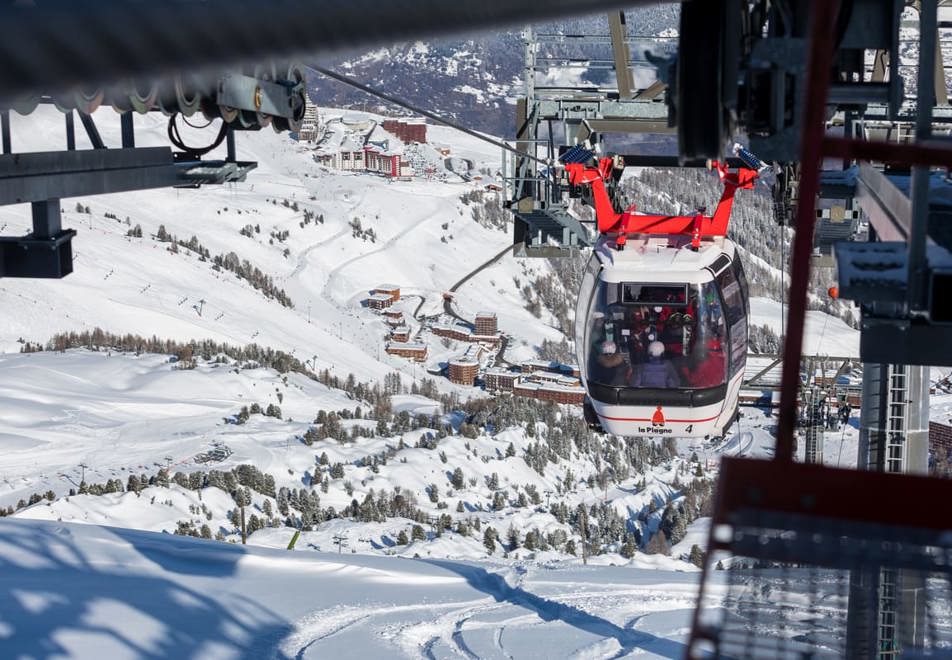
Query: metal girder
{"x": 907, "y": 113}
{"x": 621, "y": 54}
{"x": 598, "y": 38}
{"x": 92, "y": 131}
{"x": 652, "y": 111}
{"x": 888, "y": 208}
{"x": 629, "y": 126}
{"x": 832, "y": 493}
{"x": 651, "y": 91}
{"x": 885, "y": 199}
{"x": 153, "y": 38}
{"x": 760, "y": 374}
{"x": 5, "y": 131}
{"x": 36, "y": 177}
{"x": 901, "y": 341}
{"x": 650, "y": 160}
{"x": 28, "y": 256}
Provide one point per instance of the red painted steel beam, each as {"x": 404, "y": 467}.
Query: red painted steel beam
{"x": 888, "y": 152}
{"x": 815, "y": 490}
{"x": 822, "y": 47}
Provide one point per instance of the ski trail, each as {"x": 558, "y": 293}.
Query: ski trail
{"x": 458, "y": 639}
{"x": 319, "y": 625}
{"x": 336, "y": 270}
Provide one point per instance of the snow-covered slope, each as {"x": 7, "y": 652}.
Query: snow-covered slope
{"x": 136, "y": 285}
{"x": 81, "y": 591}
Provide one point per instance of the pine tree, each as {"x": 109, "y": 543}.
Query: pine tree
{"x": 658, "y": 545}
{"x": 696, "y": 556}
{"x": 418, "y": 533}
{"x": 530, "y": 542}
{"x": 513, "y": 537}
{"x": 402, "y": 538}
{"x": 161, "y": 479}
{"x": 627, "y": 549}
{"x": 489, "y": 540}
{"x": 457, "y": 480}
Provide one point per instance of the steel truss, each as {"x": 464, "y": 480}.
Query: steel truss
{"x": 837, "y": 540}
{"x": 553, "y": 118}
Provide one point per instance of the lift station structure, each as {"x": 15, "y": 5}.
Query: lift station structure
{"x": 819, "y": 560}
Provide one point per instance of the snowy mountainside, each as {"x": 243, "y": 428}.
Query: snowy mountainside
{"x": 292, "y": 221}
{"x": 462, "y": 78}
{"x": 296, "y": 225}
{"x": 128, "y": 441}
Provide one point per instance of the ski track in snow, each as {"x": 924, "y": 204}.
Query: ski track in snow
{"x": 464, "y": 627}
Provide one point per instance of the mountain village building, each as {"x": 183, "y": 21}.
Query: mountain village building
{"x": 311, "y": 129}
{"x": 462, "y": 333}
{"x": 414, "y": 351}
{"x": 463, "y": 370}
{"x": 379, "y": 301}
{"x": 392, "y": 290}
{"x": 408, "y": 130}
{"x": 360, "y": 144}
{"x": 498, "y": 379}
{"x": 486, "y": 323}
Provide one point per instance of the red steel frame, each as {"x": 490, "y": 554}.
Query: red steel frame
{"x": 815, "y": 146}
{"x": 817, "y": 87}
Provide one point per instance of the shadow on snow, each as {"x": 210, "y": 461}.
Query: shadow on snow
{"x": 57, "y": 596}
{"x": 496, "y": 586}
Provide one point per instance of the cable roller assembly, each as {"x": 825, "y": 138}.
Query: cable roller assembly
{"x": 251, "y": 98}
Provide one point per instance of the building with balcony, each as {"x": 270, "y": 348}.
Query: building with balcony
{"x": 379, "y": 301}
{"x": 392, "y": 290}
{"x": 408, "y": 130}
{"x": 413, "y": 351}
{"x": 498, "y": 379}
{"x": 463, "y": 370}
{"x": 486, "y": 323}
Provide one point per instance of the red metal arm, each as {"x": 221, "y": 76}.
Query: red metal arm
{"x": 628, "y": 222}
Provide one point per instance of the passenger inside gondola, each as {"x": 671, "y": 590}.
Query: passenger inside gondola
{"x": 609, "y": 365}
{"x": 657, "y": 336}
{"x": 657, "y": 371}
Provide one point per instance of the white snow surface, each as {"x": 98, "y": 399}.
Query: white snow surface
{"x": 136, "y": 285}
{"x": 83, "y": 591}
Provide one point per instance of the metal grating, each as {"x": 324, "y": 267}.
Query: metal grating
{"x": 786, "y": 590}
{"x": 809, "y": 561}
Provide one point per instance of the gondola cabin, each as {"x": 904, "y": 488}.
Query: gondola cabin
{"x": 662, "y": 337}
{"x": 662, "y": 317}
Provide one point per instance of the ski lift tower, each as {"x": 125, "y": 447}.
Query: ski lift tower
{"x": 554, "y": 117}
{"x": 824, "y": 560}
